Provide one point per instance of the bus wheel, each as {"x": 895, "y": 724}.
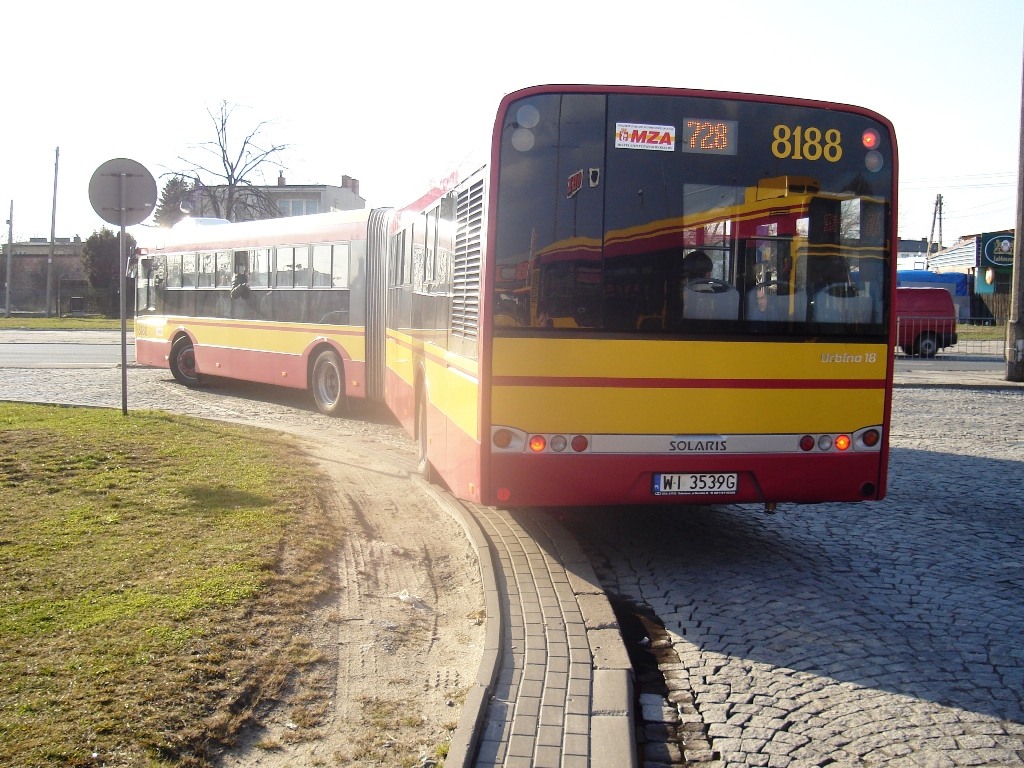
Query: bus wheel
{"x": 423, "y": 465}
{"x": 183, "y": 362}
{"x": 328, "y": 383}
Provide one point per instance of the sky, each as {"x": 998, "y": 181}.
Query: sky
{"x": 396, "y": 94}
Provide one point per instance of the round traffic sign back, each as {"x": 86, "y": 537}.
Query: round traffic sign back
{"x": 105, "y": 192}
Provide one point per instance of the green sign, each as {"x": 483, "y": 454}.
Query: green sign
{"x": 996, "y": 250}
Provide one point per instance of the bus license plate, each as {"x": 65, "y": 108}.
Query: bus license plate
{"x": 695, "y": 483}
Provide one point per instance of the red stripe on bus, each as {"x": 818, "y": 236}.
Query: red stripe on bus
{"x": 317, "y": 328}
{"x": 650, "y": 383}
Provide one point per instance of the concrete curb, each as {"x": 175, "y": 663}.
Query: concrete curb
{"x": 462, "y": 748}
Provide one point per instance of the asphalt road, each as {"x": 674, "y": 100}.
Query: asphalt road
{"x": 63, "y": 349}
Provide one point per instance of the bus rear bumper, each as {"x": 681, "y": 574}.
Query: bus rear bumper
{"x": 525, "y": 480}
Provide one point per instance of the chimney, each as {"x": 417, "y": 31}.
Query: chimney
{"x": 280, "y": 179}
{"x": 349, "y": 183}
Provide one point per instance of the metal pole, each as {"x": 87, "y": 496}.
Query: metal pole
{"x": 1015, "y": 323}
{"x": 123, "y": 261}
{"x": 53, "y": 238}
{"x": 10, "y": 252}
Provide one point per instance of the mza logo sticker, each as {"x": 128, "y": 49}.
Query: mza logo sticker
{"x": 637, "y": 136}
{"x": 575, "y": 184}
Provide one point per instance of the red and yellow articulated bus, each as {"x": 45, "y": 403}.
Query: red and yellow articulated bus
{"x": 648, "y": 295}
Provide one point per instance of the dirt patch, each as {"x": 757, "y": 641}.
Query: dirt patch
{"x": 401, "y": 635}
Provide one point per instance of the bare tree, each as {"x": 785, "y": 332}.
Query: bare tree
{"x": 223, "y": 174}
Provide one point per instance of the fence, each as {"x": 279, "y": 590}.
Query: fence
{"x": 972, "y": 339}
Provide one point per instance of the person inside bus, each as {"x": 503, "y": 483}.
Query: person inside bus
{"x": 697, "y": 265}
{"x": 240, "y": 282}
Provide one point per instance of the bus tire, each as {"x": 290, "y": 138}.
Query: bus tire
{"x": 183, "y": 362}
{"x": 328, "y": 383}
{"x": 423, "y": 464}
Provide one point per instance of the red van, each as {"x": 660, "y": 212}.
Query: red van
{"x": 926, "y": 320}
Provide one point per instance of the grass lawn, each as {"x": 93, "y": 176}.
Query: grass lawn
{"x": 63, "y": 323}
{"x": 154, "y": 570}
{"x": 968, "y": 332}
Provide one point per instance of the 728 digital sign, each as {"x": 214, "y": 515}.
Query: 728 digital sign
{"x": 715, "y": 137}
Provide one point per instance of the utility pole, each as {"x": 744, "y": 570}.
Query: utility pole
{"x": 1015, "y": 323}
{"x": 10, "y": 252}
{"x": 936, "y": 214}
{"x": 53, "y": 238}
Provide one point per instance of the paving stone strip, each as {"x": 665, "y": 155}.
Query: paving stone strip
{"x": 561, "y": 692}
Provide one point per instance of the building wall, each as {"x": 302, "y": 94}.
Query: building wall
{"x": 29, "y": 268}
{"x": 297, "y": 199}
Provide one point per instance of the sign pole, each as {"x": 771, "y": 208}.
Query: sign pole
{"x": 10, "y": 251}
{"x": 123, "y": 192}
{"x": 1015, "y": 322}
{"x": 123, "y": 261}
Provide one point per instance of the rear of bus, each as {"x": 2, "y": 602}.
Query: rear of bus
{"x": 687, "y": 297}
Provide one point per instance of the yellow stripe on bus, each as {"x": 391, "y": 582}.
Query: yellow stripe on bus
{"x": 643, "y": 358}
{"x": 570, "y": 385}
{"x": 280, "y": 338}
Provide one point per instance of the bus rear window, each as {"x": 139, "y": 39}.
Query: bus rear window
{"x": 659, "y": 214}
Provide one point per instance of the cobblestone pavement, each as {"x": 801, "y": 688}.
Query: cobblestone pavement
{"x": 887, "y": 633}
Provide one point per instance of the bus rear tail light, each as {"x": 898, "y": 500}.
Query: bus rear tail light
{"x": 870, "y": 438}
{"x": 512, "y": 440}
{"x": 863, "y": 440}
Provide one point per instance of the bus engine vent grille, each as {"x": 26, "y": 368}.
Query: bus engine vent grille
{"x": 469, "y": 217}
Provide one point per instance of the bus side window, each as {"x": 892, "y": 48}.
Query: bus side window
{"x": 445, "y": 243}
{"x": 259, "y": 268}
{"x": 302, "y": 266}
{"x": 430, "y": 251}
{"x": 321, "y": 265}
{"x": 188, "y": 271}
{"x": 174, "y": 270}
{"x": 225, "y": 269}
{"x": 395, "y": 259}
{"x": 340, "y": 268}
{"x": 207, "y": 270}
{"x": 284, "y": 267}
